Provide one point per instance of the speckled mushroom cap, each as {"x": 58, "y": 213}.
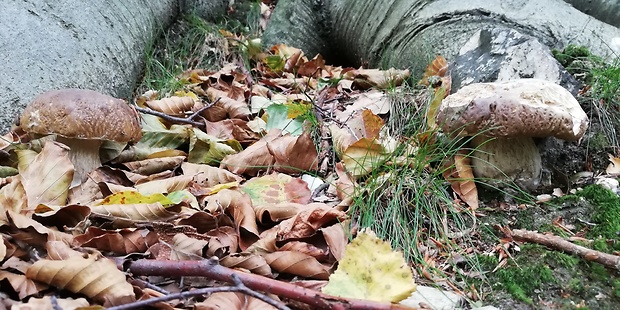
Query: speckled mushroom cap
{"x": 525, "y": 107}
{"x": 81, "y": 114}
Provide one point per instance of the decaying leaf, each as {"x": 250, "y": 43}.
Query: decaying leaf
{"x": 96, "y": 278}
{"x": 275, "y": 188}
{"x": 47, "y": 178}
{"x": 297, "y": 263}
{"x": 371, "y": 270}
{"x": 461, "y": 178}
{"x": 175, "y": 105}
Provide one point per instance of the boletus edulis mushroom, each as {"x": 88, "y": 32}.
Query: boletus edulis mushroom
{"x": 82, "y": 120}
{"x": 503, "y": 117}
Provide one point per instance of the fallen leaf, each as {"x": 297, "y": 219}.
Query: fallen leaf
{"x": 47, "y": 178}
{"x": 370, "y": 270}
{"x": 275, "y": 188}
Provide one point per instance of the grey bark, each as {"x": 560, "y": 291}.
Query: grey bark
{"x": 98, "y": 44}
{"x": 408, "y": 33}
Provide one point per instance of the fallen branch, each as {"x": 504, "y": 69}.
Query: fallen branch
{"x": 558, "y": 243}
{"x": 213, "y": 270}
{"x": 239, "y": 287}
{"x": 174, "y": 119}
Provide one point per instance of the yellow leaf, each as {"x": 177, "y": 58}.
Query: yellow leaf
{"x": 133, "y": 197}
{"x": 371, "y": 270}
{"x": 431, "y": 113}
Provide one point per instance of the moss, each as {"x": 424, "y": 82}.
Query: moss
{"x": 562, "y": 259}
{"x": 606, "y": 213}
{"x": 617, "y": 288}
{"x": 522, "y": 282}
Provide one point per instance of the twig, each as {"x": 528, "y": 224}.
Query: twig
{"x": 170, "y": 118}
{"x": 239, "y": 288}
{"x": 558, "y": 243}
{"x": 212, "y": 270}
{"x": 195, "y": 114}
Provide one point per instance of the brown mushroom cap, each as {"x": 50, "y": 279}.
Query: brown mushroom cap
{"x": 81, "y": 114}
{"x": 526, "y": 107}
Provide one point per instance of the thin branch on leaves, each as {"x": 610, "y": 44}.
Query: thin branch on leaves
{"x": 213, "y": 270}
{"x": 182, "y": 120}
{"x": 558, "y": 243}
{"x": 238, "y": 288}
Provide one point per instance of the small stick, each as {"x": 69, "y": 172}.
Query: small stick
{"x": 558, "y": 243}
{"x": 170, "y": 118}
{"x": 195, "y": 114}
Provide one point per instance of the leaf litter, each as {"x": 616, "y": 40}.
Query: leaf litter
{"x": 230, "y": 188}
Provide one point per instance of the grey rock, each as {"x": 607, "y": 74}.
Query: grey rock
{"x": 53, "y": 44}
{"x": 503, "y": 54}
{"x": 435, "y": 298}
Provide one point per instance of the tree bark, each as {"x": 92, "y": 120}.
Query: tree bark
{"x": 408, "y": 33}
{"x": 52, "y": 44}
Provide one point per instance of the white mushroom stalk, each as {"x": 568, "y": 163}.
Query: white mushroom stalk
{"x": 84, "y": 155}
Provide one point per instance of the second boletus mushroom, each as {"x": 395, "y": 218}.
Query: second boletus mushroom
{"x": 503, "y": 117}
{"x": 82, "y": 120}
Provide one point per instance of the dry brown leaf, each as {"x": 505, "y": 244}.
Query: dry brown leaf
{"x": 239, "y": 205}
{"x": 47, "y": 178}
{"x": 308, "y": 221}
{"x": 135, "y": 212}
{"x": 272, "y": 213}
{"x": 61, "y": 216}
{"x": 298, "y": 264}
{"x": 175, "y": 105}
{"x": 12, "y": 197}
{"x": 461, "y": 178}
{"x": 121, "y": 242}
{"x": 337, "y": 238}
{"x": 33, "y": 232}
{"x": 438, "y": 67}
{"x": 23, "y": 286}
{"x": 266, "y": 243}
{"x": 321, "y": 253}
{"x": 254, "y": 158}
{"x": 186, "y": 248}
{"x": 381, "y": 79}
{"x": 96, "y": 278}
{"x": 165, "y": 186}
{"x": 275, "y": 188}
{"x": 345, "y": 186}
{"x": 247, "y": 261}
{"x": 294, "y": 154}
{"x": 154, "y": 165}
{"x": 232, "y": 129}
{"x": 222, "y": 241}
{"x": 232, "y": 301}
{"x": 46, "y": 303}
{"x": 209, "y": 176}
{"x": 205, "y": 221}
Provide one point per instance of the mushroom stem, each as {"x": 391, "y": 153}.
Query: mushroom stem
{"x": 507, "y": 159}
{"x": 84, "y": 155}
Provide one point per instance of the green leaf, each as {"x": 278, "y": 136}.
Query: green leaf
{"x": 207, "y": 149}
{"x": 279, "y": 119}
